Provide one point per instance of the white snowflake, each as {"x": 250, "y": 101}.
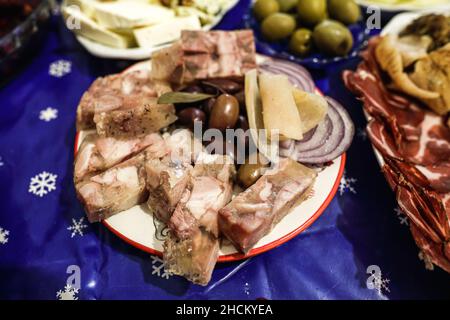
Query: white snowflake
{"x": 158, "y": 268}
{"x": 60, "y": 68}
{"x": 77, "y": 227}
{"x": 42, "y": 184}
{"x": 347, "y": 184}
{"x": 381, "y": 284}
{"x": 401, "y": 216}
{"x": 69, "y": 293}
{"x": 362, "y": 133}
{"x": 48, "y": 114}
{"x": 4, "y": 236}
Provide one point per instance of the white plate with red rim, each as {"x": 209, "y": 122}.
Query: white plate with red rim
{"x": 137, "y": 226}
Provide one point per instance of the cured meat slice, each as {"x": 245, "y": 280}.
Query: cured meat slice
{"x": 192, "y": 247}
{"x": 98, "y": 154}
{"x": 206, "y": 55}
{"x": 119, "y": 91}
{"x": 415, "y": 145}
{"x": 253, "y": 213}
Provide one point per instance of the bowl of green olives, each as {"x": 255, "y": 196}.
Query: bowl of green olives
{"x": 313, "y": 33}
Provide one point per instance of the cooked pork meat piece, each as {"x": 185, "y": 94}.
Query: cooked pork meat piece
{"x": 253, "y": 213}
{"x": 192, "y": 247}
{"x": 120, "y": 91}
{"x": 166, "y": 182}
{"x": 206, "y": 55}
{"x": 142, "y": 119}
{"x": 98, "y": 154}
{"x": 432, "y": 73}
{"x": 167, "y": 178}
{"x": 117, "y": 189}
{"x": 183, "y": 145}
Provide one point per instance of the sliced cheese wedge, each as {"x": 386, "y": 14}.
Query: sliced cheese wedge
{"x": 122, "y": 15}
{"x": 89, "y": 29}
{"x": 279, "y": 109}
{"x": 270, "y": 149}
{"x": 165, "y": 32}
{"x": 311, "y": 107}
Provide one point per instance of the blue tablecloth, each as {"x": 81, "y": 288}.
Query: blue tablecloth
{"x": 44, "y": 238}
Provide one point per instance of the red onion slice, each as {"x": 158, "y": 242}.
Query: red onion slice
{"x": 298, "y": 76}
{"x": 343, "y": 140}
{"x": 321, "y": 135}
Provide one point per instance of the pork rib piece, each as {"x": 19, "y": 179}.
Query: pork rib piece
{"x": 206, "y": 55}
{"x": 253, "y": 213}
{"x": 192, "y": 247}
{"x": 117, "y": 189}
{"x": 120, "y": 91}
{"x": 98, "y": 154}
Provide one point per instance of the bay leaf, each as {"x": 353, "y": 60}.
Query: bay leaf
{"x": 182, "y": 97}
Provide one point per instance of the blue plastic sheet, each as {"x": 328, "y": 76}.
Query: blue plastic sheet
{"x": 45, "y": 243}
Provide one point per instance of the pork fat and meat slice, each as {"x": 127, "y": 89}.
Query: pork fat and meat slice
{"x": 117, "y": 189}
{"x": 206, "y": 55}
{"x": 120, "y": 91}
{"x": 253, "y": 213}
{"x": 146, "y": 117}
{"x": 192, "y": 247}
{"x": 97, "y": 154}
{"x": 167, "y": 178}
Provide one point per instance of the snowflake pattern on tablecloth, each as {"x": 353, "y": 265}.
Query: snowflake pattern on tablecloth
{"x": 4, "y": 236}
{"x": 69, "y": 293}
{"x": 347, "y": 184}
{"x": 77, "y": 227}
{"x": 42, "y": 184}
{"x": 362, "y": 134}
{"x": 60, "y": 68}
{"x": 401, "y": 216}
{"x": 158, "y": 267}
{"x": 48, "y": 114}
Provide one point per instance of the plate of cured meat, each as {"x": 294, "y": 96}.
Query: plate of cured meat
{"x": 208, "y": 152}
{"x": 404, "y": 84}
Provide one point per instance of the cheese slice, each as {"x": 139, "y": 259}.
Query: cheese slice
{"x": 165, "y": 32}
{"x": 91, "y": 30}
{"x": 280, "y": 112}
{"x": 122, "y": 15}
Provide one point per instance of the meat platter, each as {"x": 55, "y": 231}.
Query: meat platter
{"x": 403, "y": 82}
{"x": 144, "y": 172}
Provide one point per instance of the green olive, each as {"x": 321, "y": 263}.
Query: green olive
{"x": 301, "y": 42}
{"x": 224, "y": 113}
{"x": 345, "y": 11}
{"x": 333, "y": 38}
{"x": 278, "y": 26}
{"x": 264, "y": 8}
{"x": 287, "y": 5}
{"x": 310, "y": 13}
{"x": 248, "y": 174}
